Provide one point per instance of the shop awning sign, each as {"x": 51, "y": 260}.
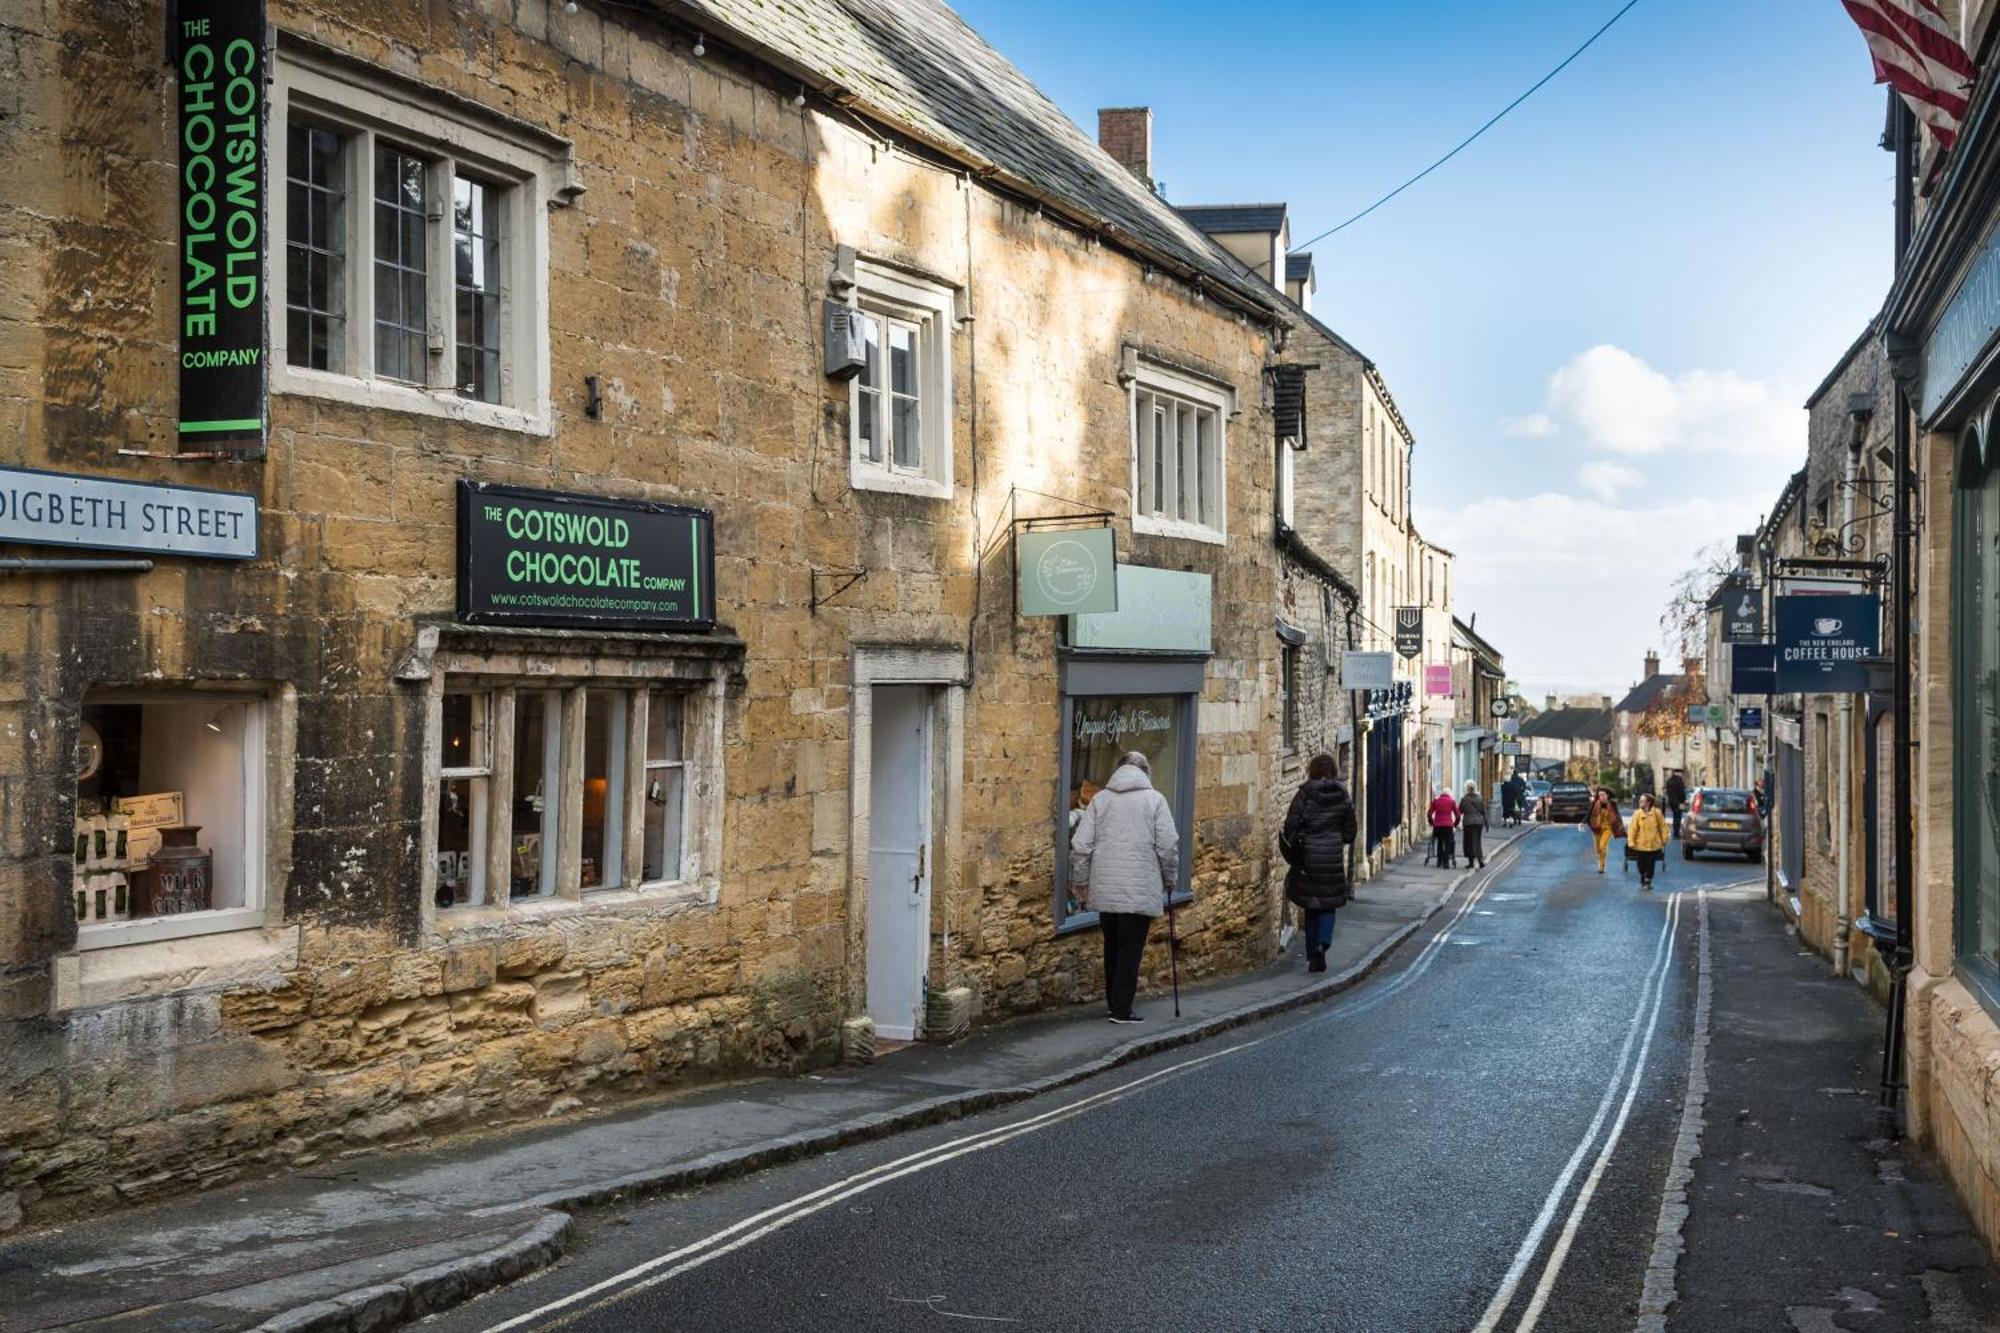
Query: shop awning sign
{"x": 1437, "y": 679}
{"x": 549, "y": 558}
{"x": 1067, "y": 571}
{"x": 1367, "y": 671}
{"x": 1410, "y": 631}
{"x": 1159, "y": 610}
{"x": 103, "y": 514}
{"x": 218, "y": 51}
{"x": 1825, "y": 643}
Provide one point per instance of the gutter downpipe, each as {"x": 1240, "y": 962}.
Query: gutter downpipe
{"x": 1899, "y": 596}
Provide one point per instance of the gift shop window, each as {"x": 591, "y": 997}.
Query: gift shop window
{"x": 170, "y": 821}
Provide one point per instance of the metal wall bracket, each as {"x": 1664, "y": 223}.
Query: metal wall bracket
{"x": 838, "y": 581}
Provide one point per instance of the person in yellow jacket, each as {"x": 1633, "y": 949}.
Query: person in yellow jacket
{"x": 1604, "y": 824}
{"x": 1647, "y": 838}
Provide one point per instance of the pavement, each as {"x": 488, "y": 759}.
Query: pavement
{"x": 372, "y": 1241}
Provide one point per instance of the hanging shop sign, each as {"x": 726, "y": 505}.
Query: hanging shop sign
{"x": 1437, "y": 679}
{"x": 532, "y": 557}
{"x": 1753, "y": 668}
{"x": 1743, "y": 616}
{"x": 219, "y": 53}
{"x": 1750, "y": 721}
{"x": 1510, "y": 747}
{"x": 1824, "y": 643}
{"x": 1508, "y": 726}
{"x": 1367, "y": 671}
{"x": 1159, "y": 611}
{"x": 1067, "y": 571}
{"x": 99, "y": 514}
{"x": 1501, "y": 707}
{"x": 1410, "y": 631}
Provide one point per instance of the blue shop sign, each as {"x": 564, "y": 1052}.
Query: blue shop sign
{"x": 1753, "y": 668}
{"x": 1964, "y": 330}
{"x": 1825, "y": 643}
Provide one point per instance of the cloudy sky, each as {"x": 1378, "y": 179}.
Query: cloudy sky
{"x": 1602, "y": 319}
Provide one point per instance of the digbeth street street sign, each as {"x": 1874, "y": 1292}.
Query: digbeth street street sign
{"x": 1410, "y": 631}
{"x": 1367, "y": 671}
{"x": 531, "y": 557}
{"x": 1068, "y": 571}
{"x": 102, "y": 514}
{"x": 1824, "y": 643}
{"x": 218, "y": 49}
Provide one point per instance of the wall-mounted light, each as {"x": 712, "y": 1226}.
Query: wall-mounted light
{"x": 700, "y": 45}
{"x": 569, "y": 6}
{"x": 799, "y": 98}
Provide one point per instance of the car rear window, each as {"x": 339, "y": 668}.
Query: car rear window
{"x": 1725, "y": 803}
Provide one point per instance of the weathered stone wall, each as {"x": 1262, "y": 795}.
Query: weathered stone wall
{"x": 689, "y": 278}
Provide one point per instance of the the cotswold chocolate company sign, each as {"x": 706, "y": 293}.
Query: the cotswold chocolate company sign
{"x": 529, "y": 557}
{"x": 97, "y": 513}
{"x": 219, "y": 53}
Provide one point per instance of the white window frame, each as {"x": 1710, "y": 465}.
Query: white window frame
{"x": 650, "y": 766}
{"x": 254, "y": 912}
{"x": 1156, "y": 383}
{"x": 562, "y": 768}
{"x": 930, "y": 308}
{"x": 362, "y": 110}
{"x": 479, "y": 788}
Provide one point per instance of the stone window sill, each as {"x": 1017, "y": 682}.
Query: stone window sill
{"x": 646, "y": 901}
{"x": 255, "y": 957}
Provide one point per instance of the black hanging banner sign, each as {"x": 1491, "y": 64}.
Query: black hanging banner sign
{"x": 531, "y": 557}
{"x": 1742, "y": 615}
{"x": 1410, "y": 631}
{"x": 219, "y": 54}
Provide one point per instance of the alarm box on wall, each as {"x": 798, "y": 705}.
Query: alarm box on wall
{"x": 846, "y": 350}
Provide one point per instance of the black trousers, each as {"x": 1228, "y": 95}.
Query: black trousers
{"x": 1675, "y": 811}
{"x": 1124, "y": 945}
{"x": 1473, "y": 851}
{"x": 1443, "y": 838}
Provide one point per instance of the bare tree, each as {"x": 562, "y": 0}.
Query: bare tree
{"x": 1684, "y": 624}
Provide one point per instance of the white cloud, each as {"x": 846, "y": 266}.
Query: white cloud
{"x": 1614, "y": 402}
{"x": 1534, "y": 426}
{"x": 1607, "y": 481}
{"x": 1571, "y": 588}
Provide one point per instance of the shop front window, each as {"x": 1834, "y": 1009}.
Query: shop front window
{"x": 169, "y": 816}
{"x": 1104, "y": 728}
{"x": 594, "y": 786}
{"x": 1976, "y": 756}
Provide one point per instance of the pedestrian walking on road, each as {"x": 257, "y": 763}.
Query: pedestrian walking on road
{"x": 1124, "y": 860}
{"x": 1318, "y": 829}
{"x": 1512, "y": 793}
{"x": 1677, "y": 794}
{"x": 1604, "y": 824}
{"x": 1444, "y": 818}
{"x": 1647, "y": 838}
{"x": 1472, "y": 820}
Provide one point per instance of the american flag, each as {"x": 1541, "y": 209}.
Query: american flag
{"x": 1917, "y": 55}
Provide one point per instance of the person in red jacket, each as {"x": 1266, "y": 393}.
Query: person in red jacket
{"x": 1444, "y": 818}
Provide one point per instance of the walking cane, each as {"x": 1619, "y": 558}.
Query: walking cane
{"x": 1173, "y": 953}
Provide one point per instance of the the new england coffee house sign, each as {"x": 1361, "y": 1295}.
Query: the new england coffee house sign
{"x": 550, "y": 558}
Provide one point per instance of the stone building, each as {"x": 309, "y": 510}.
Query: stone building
{"x": 587, "y": 656}
{"x": 1478, "y": 681}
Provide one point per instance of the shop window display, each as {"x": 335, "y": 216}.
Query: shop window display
{"x": 164, "y": 824}
{"x": 1102, "y": 729}
{"x": 463, "y": 778}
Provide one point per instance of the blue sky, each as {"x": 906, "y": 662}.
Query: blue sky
{"x": 1602, "y": 318}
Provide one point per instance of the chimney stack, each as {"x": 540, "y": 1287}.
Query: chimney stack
{"x": 1652, "y": 666}
{"x": 1550, "y": 704}
{"x": 1126, "y": 132}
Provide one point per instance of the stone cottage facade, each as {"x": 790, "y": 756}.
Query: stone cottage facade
{"x": 824, "y": 308}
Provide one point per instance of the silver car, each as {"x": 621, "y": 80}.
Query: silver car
{"x": 1722, "y": 819}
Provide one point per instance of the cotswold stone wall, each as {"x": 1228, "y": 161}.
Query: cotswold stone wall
{"x": 689, "y": 278}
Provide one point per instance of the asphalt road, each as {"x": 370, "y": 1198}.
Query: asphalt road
{"x": 1475, "y": 1138}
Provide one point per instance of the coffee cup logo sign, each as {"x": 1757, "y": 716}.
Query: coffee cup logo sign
{"x": 1825, "y": 642}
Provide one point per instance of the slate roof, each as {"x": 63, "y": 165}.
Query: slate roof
{"x": 1298, "y": 266}
{"x": 1216, "y": 218}
{"x": 917, "y": 66}
{"x": 1647, "y": 692}
{"x": 1570, "y": 724}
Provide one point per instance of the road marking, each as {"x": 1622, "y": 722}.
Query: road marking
{"x": 694, "y": 1254}
{"x": 1655, "y": 978}
{"x": 1668, "y": 1242}
{"x": 1560, "y": 1254}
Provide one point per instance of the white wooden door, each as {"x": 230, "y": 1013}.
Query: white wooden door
{"x": 899, "y": 853}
